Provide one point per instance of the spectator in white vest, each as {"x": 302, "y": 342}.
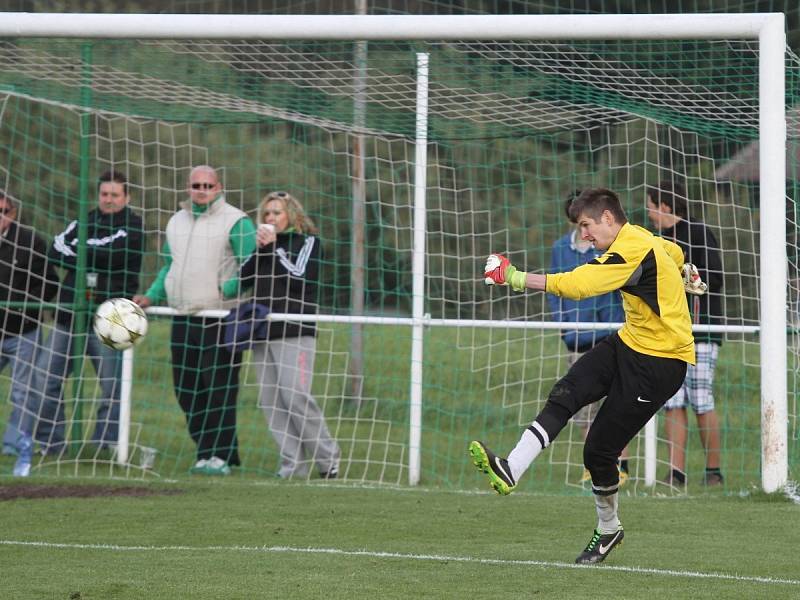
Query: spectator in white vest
{"x": 206, "y": 241}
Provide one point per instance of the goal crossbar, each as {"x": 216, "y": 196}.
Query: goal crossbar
{"x": 394, "y": 27}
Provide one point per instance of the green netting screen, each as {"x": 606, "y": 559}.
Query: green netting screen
{"x": 513, "y": 127}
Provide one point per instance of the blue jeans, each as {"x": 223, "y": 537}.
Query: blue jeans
{"x": 19, "y": 351}
{"x": 53, "y": 365}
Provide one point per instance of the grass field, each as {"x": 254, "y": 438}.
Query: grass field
{"x": 251, "y": 536}
{"x": 233, "y": 539}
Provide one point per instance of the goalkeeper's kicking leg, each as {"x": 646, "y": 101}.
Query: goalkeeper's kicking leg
{"x": 587, "y": 381}
{"x": 504, "y": 473}
{"x": 636, "y": 387}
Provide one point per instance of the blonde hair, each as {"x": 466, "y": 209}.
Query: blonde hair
{"x": 298, "y": 219}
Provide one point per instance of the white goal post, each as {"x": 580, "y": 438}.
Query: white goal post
{"x": 767, "y": 29}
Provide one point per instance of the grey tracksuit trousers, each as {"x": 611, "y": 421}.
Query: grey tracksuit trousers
{"x": 285, "y": 369}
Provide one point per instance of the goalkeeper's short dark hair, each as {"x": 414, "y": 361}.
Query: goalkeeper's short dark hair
{"x": 592, "y": 202}
{"x": 568, "y": 202}
{"x": 672, "y": 194}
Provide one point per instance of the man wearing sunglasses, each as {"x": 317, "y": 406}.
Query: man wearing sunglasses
{"x": 25, "y": 277}
{"x": 207, "y": 239}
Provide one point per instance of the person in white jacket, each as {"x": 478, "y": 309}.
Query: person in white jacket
{"x": 206, "y": 240}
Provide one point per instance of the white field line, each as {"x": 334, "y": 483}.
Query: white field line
{"x": 402, "y": 556}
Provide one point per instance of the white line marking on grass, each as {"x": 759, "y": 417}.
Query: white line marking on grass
{"x": 401, "y": 556}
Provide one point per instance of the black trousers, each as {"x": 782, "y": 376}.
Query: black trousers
{"x": 635, "y": 385}
{"x": 206, "y": 381}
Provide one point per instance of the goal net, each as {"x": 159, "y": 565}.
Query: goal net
{"x": 512, "y": 128}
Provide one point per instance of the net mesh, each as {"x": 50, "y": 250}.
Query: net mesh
{"x": 513, "y": 128}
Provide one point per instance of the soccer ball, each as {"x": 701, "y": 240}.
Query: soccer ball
{"x": 120, "y": 323}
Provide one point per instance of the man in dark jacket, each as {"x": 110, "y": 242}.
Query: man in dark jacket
{"x": 115, "y": 244}
{"x": 668, "y": 211}
{"x": 25, "y": 276}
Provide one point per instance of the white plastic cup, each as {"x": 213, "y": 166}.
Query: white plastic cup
{"x": 147, "y": 457}
{"x": 267, "y": 227}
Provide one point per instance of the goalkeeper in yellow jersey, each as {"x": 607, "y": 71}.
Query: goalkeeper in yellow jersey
{"x": 637, "y": 368}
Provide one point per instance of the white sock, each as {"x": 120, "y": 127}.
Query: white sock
{"x": 607, "y": 517}
{"x": 527, "y": 449}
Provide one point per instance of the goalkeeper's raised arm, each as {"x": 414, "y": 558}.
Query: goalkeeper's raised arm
{"x": 645, "y": 268}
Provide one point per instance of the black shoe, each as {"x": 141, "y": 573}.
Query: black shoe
{"x": 332, "y": 474}
{"x": 713, "y": 478}
{"x": 599, "y": 547}
{"x": 675, "y": 478}
{"x": 496, "y": 468}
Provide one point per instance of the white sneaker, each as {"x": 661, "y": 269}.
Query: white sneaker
{"x": 217, "y": 466}
{"x": 199, "y": 466}
{"x": 22, "y": 468}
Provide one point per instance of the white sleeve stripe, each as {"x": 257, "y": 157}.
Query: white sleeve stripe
{"x": 59, "y": 242}
{"x": 61, "y": 245}
{"x": 298, "y": 269}
{"x": 109, "y": 239}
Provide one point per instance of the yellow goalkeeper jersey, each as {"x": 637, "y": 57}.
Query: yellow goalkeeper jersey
{"x": 646, "y": 269}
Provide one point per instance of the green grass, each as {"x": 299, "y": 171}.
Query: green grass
{"x": 231, "y": 539}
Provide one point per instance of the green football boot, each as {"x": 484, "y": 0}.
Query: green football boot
{"x": 495, "y": 467}
{"x": 599, "y": 547}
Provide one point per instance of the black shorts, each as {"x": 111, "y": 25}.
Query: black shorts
{"x": 635, "y": 385}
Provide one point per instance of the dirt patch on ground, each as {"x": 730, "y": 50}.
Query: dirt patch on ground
{"x": 22, "y": 491}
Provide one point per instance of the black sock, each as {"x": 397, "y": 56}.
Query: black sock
{"x": 623, "y": 465}
{"x": 713, "y": 471}
{"x": 678, "y": 475}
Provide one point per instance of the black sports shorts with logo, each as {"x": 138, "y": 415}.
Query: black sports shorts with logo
{"x": 635, "y": 386}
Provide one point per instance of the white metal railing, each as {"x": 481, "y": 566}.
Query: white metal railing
{"x": 418, "y": 324}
